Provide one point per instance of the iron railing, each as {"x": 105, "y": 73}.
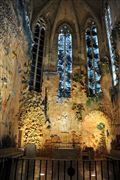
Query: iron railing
{"x": 52, "y": 169}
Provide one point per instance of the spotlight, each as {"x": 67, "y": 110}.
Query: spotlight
{"x": 42, "y": 174}
{"x": 93, "y": 175}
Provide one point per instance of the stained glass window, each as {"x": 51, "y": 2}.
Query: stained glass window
{"x": 37, "y": 52}
{"x": 64, "y": 66}
{"x": 108, "y": 22}
{"x": 93, "y": 58}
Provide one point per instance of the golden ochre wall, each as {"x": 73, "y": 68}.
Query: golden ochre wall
{"x": 79, "y": 120}
{"x": 13, "y": 68}
{"x": 31, "y": 117}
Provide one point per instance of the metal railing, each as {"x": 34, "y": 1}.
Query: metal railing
{"x": 52, "y": 169}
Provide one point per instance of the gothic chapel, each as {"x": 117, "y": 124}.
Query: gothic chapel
{"x": 59, "y": 82}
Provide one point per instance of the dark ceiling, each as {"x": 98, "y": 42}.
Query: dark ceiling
{"x": 48, "y": 8}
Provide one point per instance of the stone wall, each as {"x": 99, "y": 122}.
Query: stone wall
{"x": 31, "y": 117}
{"x": 115, "y": 7}
{"x": 80, "y": 115}
{"x": 14, "y": 60}
{"x": 78, "y": 121}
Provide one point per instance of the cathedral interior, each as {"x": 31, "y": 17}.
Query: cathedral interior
{"x": 59, "y": 77}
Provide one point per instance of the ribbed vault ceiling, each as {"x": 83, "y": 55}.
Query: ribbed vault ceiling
{"x": 49, "y": 8}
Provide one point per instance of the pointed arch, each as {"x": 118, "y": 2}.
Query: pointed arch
{"x": 93, "y": 58}
{"x": 109, "y": 28}
{"x": 64, "y": 66}
{"x": 37, "y": 56}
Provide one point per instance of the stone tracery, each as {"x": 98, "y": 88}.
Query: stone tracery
{"x": 63, "y": 118}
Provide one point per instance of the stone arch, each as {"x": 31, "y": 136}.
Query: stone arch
{"x": 95, "y": 126}
{"x": 38, "y": 53}
{"x": 92, "y": 58}
{"x": 62, "y": 24}
{"x": 99, "y": 29}
{"x": 53, "y": 41}
{"x": 88, "y": 21}
{"x": 40, "y": 20}
{"x": 59, "y": 24}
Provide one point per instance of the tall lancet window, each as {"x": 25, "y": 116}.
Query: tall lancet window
{"x": 64, "y": 66}
{"x": 37, "y": 61}
{"x": 108, "y": 22}
{"x": 93, "y": 71}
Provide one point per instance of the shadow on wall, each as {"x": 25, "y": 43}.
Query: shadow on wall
{"x": 115, "y": 144}
{"x": 96, "y": 132}
{"x": 7, "y": 142}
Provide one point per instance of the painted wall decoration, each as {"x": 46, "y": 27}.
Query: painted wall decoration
{"x": 43, "y": 118}
{"x": 74, "y": 114}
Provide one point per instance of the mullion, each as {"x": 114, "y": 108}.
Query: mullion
{"x": 36, "y": 67}
{"x": 37, "y": 58}
{"x": 92, "y": 58}
{"x": 92, "y": 43}
{"x": 36, "y": 75}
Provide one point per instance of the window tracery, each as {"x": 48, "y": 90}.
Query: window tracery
{"x": 64, "y": 66}
{"x": 93, "y": 69}
{"x": 109, "y": 28}
{"x": 37, "y": 60}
